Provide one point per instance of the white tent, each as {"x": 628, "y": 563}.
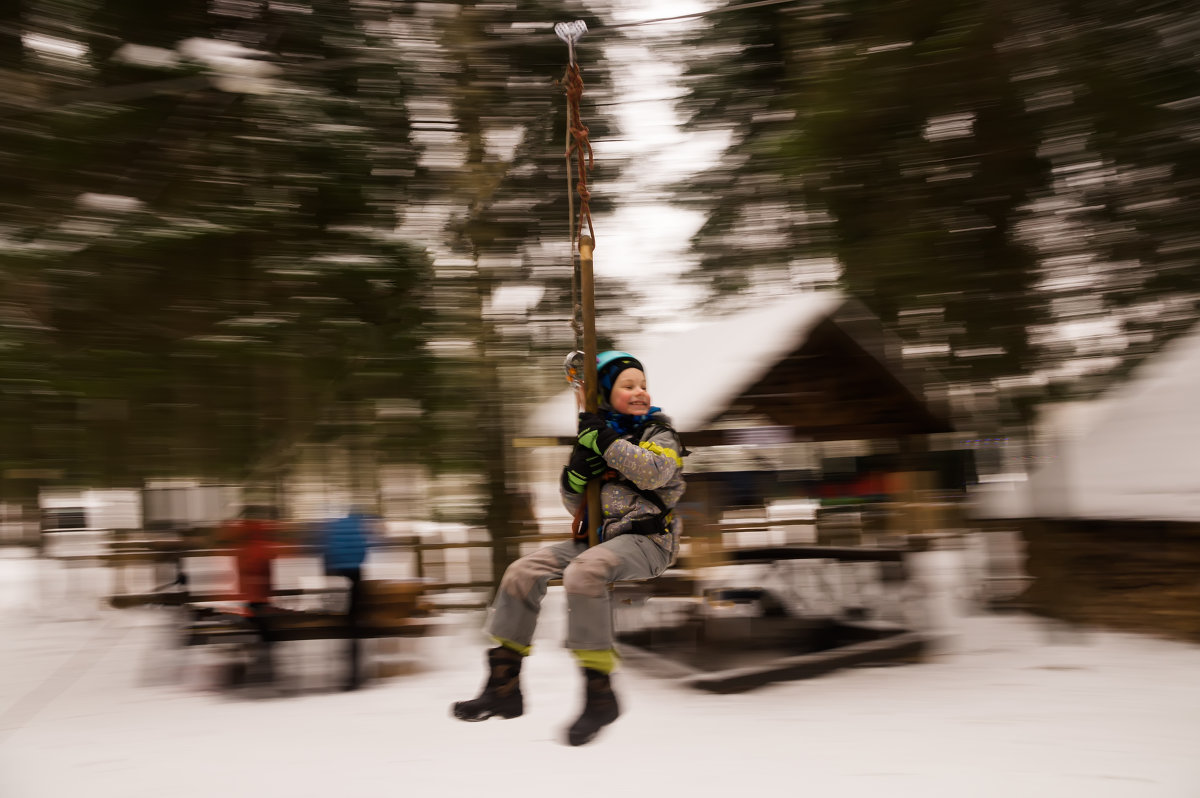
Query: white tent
{"x": 1137, "y": 454}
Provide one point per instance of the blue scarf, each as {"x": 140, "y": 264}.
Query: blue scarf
{"x": 628, "y": 425}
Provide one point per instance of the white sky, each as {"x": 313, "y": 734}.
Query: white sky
{"x": 646, "y": 238}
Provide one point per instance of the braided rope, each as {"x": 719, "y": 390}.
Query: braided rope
{"x": 579, "y": 144}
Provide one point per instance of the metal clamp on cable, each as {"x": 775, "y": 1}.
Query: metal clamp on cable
{"x": 571, "y": 32}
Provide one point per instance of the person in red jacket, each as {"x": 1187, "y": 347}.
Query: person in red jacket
{"x": 254, "y": 540}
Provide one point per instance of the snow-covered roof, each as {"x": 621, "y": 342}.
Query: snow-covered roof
{"x": 1139, "y": 456}
{"x": 696, "y": 374}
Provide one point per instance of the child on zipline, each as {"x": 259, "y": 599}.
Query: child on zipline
{"x": 631, "y": 446}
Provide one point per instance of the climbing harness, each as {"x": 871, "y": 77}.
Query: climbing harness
{"x": 657, "y": 524}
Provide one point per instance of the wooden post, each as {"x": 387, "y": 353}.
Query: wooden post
{"x": 591, "y": 401}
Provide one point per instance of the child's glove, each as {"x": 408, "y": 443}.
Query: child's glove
{"x": 584, "y": 466}
{"x": 595, "y": 434}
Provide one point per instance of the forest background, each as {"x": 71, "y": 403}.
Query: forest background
{"x": 235, "y": 234}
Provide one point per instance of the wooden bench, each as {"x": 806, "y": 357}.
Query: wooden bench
{"x": 212, "y": 624}
{"x": 391, "y": 609}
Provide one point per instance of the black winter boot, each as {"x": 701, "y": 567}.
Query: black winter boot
{"x": 599, "y": 709}
{"x": 501, "y": 695}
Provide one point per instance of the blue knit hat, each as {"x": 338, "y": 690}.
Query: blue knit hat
{"x": 609, "y": 366}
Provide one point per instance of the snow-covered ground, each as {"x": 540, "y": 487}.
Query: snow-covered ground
{"x": 94, "y": 703}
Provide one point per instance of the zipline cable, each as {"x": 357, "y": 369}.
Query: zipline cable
{"x": 137, "y": 91}
{"x": 697, "y": 14}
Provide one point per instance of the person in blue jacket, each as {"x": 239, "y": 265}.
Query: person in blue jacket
{"x": 344, "y": 545}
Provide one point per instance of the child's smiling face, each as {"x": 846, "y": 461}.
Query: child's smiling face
{"x": 629, "y": 394}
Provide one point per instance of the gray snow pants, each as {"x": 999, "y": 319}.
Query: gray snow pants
{"x": 586, "y": 574}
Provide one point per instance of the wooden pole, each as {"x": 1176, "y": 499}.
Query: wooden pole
{"x": 591, "y": 400}
{"x": 570, "y": 32}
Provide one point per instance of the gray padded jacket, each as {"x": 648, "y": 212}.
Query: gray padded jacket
{"x": 651, "y": 462}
